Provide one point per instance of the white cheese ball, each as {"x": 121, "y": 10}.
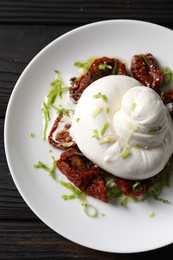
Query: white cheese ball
{"x": 123, "y": 127}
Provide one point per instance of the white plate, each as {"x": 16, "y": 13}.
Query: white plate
{"x": 122, "y": 229}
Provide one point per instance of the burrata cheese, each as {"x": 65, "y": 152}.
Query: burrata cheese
{"x": 123, "y": 127}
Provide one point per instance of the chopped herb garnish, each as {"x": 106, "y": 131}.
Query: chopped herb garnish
{"x": 156, "y": 189}
{"x": 98, "y": 136}
{"x": 102, "y": 96}
{"x": 167, "y": 75}
{"x": 110, "y": 182}
{"x": 51, "y": 170}
{"x": 124, "y": 200}
{"x": 155, "y": 130}
{"x": 76, "y": 193}
{"x": 57, "y": 88}
{"x": 80, "y": 154}
{"x": 31, "y": 134}
{"x": 152, "y": 214}
{"x": 114, "y": 71}
{"x": 107, "y": 139}
{"x": 107, "y": 110}
{"x": 84, "y": 65}
{"x": 133, "y": 106}
{"x": 89, "y": 210}
{"x": 136, "y": 185}
{"x": 155, "y": 193}
{"x": 134, "y": 198}
{"x": 95, "y": 134}
{"x": 145, "y": 58}
{"x": 96, "y": 112}
{"x": 78, "y": 119}
{"x": 104, "y": 128}
{"x": 113, "y": 190}
{"x": 125, "y": 153}
{"x": 46, "y": 116}
{"x": 63, "y": 111}
{"x": 104, "y": 66}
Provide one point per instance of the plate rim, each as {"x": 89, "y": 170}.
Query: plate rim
{"x": 12, "y": 96}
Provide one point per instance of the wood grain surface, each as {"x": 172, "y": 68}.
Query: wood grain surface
{"x": 25, "y": 28}
{"x": 81, "y": 12}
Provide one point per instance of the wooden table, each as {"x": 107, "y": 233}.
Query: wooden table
{"x": 25, "y": 28}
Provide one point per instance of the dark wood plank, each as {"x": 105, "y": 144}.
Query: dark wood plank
{"x": 18, "y": 45}
{"x": 23, "y": 239}
{"x": 34, "y": 240}
{"x": 82, "y": 12}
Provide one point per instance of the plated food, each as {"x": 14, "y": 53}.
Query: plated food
{"x": 119, "y": 139}
{"x": 43, "y": 195}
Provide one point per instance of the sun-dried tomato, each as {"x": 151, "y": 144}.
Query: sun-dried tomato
{"x": 146, "y": 70}
{"x": 62, "y": 139}
{"x": 101, "y": 67}
{"x": 83, "y": 173}
{"x": 167, "y": 98}
{"x": 129, "y": 187}
{"x": 97, "y": 189}
{"x": 126, "y": 187}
